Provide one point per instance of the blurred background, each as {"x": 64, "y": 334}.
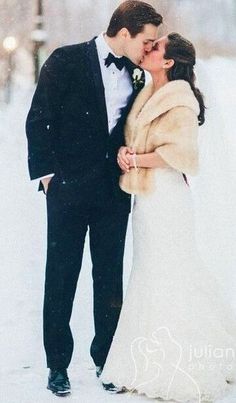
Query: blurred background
{"x": 36, "y": 27}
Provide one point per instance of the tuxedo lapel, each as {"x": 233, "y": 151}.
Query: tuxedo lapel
{"x": 96, "y": 77}
{"x": 131, "y": 68}
{"x": 97, "y": 82}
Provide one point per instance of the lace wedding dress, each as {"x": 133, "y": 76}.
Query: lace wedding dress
{"x": 176, "y": 338}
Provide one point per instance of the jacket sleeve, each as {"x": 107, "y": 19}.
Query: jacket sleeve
{"x": 177, "y": 140}
{"x": 40, "y": 123}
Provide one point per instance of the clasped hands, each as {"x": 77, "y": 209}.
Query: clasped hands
{"x": 125, "y": 158}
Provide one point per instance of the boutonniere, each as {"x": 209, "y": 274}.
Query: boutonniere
{"x": 137, "y": 78}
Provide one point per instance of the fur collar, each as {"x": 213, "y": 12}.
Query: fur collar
{"x": 149, "y": 105}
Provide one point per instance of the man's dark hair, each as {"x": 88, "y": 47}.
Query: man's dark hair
{"x": 133, "y": 15}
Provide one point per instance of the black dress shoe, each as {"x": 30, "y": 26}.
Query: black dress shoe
{"x": 58, "y": 382}
{"x": 111, "y": 388}
{"x": 99, "y": 371}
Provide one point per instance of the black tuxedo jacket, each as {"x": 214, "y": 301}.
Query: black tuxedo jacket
{"x": 67, "y": 127}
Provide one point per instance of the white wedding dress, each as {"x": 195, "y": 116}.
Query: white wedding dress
{"x": 176, "y": 338}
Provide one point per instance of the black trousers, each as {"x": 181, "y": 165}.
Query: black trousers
{"x": 70, "y": 215}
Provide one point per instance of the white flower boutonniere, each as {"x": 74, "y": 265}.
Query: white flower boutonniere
{"x": 137, "y": 78}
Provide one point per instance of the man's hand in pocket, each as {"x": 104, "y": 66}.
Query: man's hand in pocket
{"x": 45, "y": 182}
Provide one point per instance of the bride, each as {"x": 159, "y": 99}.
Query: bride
{"x": 176, "y": 339}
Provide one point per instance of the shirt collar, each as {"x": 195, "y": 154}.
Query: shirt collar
{"x": 103, "y": 48}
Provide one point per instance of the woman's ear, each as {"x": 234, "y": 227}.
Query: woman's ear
{"x": 168, "y": 64}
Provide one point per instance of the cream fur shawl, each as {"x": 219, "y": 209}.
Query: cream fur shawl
{"x": 165, "y": 121}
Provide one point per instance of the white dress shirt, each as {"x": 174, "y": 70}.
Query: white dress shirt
{"x": 117, "y": 85}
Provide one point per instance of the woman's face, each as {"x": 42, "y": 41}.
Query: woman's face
{"x": 154, "y": 60}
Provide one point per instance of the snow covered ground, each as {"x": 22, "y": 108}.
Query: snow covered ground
{"x": 23, "y": 245}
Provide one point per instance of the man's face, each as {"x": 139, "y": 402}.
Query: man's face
{"x": 136, "y": 48}
{"x": 154, "y": 60}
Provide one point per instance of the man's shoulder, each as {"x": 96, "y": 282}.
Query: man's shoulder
{"x": 72, "y": 50}
{"x": 67, "y": 57}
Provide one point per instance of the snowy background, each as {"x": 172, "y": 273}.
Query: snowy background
{"x": 23, "y": 211}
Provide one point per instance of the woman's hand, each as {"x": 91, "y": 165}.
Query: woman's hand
{"x": 133, "y": 160}
{"x": 130, "y": 157}
{"x": 124, "y": 158}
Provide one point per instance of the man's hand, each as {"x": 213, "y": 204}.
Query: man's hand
{"x": 123, "y": 158}
{"x": 45, "y": 182}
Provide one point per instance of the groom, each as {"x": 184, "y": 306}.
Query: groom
{"x": 74, "y": 129}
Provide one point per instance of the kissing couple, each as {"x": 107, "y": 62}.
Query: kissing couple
{"x": 96, "y": 135}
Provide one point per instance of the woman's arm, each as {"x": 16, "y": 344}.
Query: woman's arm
{"x": 149, "y": 160}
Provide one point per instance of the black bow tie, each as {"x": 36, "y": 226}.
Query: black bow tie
{"x": 118, "y": 61}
